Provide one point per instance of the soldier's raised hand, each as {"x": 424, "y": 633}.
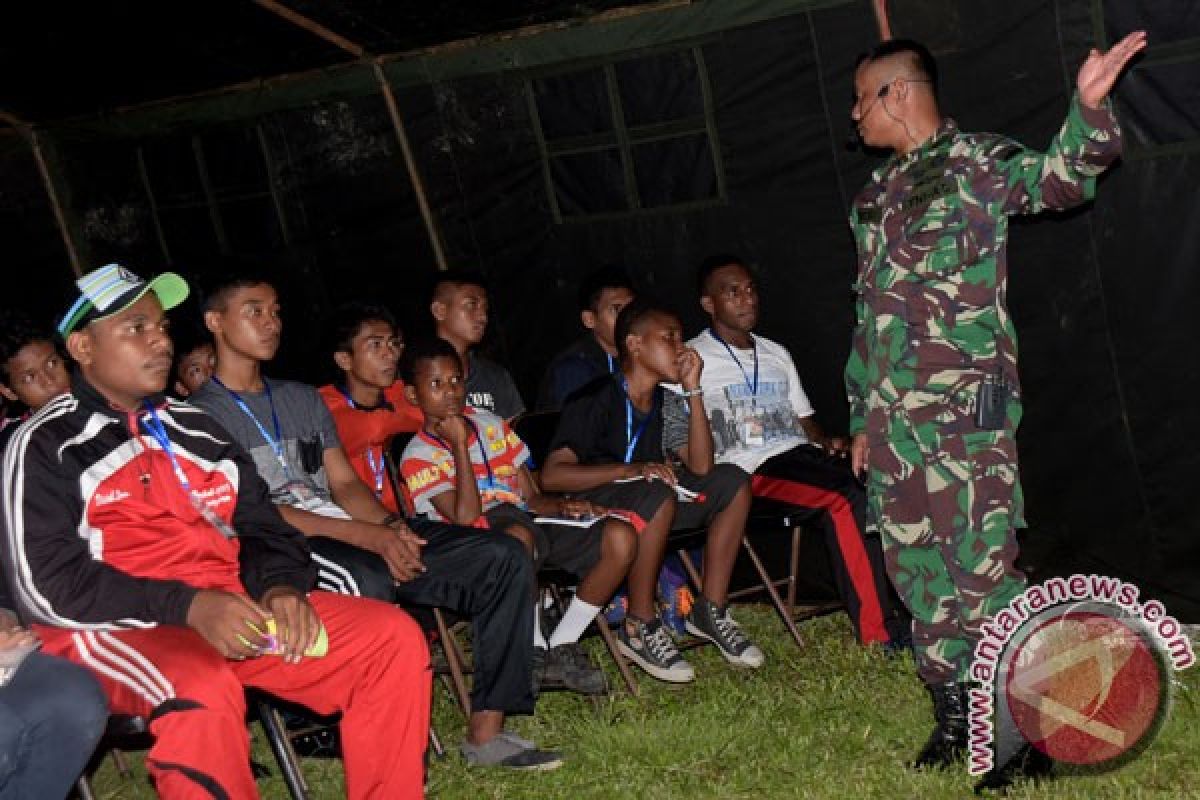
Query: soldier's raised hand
{"x": 1099, "y": 72}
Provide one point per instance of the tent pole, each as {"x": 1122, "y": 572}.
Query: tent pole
{"x": 410, "y": 164}
{"x": 28, "y": 133}
{"x": 881, "y": 19}
{"x": 313, "y": 27}
{"x": 144, "y": 174}
{"x": 55, "y": 204}
{"x": 389, "y": 97}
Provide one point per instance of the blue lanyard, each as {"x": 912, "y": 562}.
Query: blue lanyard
{"x": 377, "y": 467}
{"x": 631, "y": 437}
{"x": 384, "y": 404}
{"x": 159, "y": 432}
{"x": 276, "y": 441}
{"x": 156, "y": 428}
{"x": 751, "y": 385}
{"x": 345, "y": 394}
{"x": 487, "y": 464}
{"x": 612, "y": 364}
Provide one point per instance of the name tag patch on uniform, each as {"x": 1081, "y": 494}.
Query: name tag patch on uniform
{"x": 926, "y": 192}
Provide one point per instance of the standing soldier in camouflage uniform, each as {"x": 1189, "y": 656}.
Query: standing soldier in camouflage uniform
{"x": 932, "y": 377}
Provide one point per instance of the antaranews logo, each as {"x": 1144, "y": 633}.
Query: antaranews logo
{"x": 1078, "y": 668}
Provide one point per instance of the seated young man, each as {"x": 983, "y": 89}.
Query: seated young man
{"x": 33, "y": 370}
{"x": 144, "y": 546}
{"x": 468, "y": 467}
{"x": 609, "y": 449}
{"x": 460, "y": 314}
{"x": 763, "y": 422}
{"x": 602, "y": 295}
{"x": 368, "y": 403}
{"x": 358, "y": 545}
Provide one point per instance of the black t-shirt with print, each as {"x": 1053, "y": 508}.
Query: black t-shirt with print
{"x": 491, "y": 387}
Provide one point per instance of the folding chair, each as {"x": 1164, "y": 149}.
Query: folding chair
{"x": 125, "y": 732}
{"x": 767, "y": 583}
{"x": 453, "y": 673}
{"x": 537, "y": 429}
{"x": 766, "y": 514}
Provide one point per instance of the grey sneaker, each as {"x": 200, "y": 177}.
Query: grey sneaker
{"x": 568, "y": 665}
{"x": 517, "y": 739}
{"x": 714, "y": 623}
{"x": 510, "y": 752}
{"x": 652, "y": 649}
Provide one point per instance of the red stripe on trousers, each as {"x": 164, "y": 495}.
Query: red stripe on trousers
{"x": 633, "y": 518}
{"x": 849, "y": 539}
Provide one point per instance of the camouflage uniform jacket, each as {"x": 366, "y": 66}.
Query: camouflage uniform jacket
{"x": 931, "y": 230}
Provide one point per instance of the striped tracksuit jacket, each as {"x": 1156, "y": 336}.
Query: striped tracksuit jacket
{"x": 105, "y": 551}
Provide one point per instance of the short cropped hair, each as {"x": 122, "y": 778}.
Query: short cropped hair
{"x": 594, "y": 284}
{"x": 347, "y": 320}
{"x": 631, "y": 320}
{"x": 921, "y": 60}
{"x": 713, "y": 263}
{"x": 455, "y": 279}
{"x": 421, "y": 351}
{"x": 17, "y": 330}
{"x": 215, "y": 291}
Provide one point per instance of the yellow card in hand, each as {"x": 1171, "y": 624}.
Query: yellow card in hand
{"x": 272, "y": 648}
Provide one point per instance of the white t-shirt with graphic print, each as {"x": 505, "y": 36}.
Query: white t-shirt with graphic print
{"x": 751, "y": 426}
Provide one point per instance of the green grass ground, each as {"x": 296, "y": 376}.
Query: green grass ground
{"x": 830, "y": 721}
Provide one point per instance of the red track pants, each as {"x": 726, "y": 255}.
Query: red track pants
{"x": 376, "y": 673}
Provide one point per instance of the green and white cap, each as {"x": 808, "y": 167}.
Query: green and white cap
{"x": 112, "y": 289}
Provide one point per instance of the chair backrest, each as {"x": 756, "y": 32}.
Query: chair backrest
{"x": 392, "y": 459}
{"x": 537, "y": 430}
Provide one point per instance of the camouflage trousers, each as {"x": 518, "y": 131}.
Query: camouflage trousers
{"x": 946, "y": 510}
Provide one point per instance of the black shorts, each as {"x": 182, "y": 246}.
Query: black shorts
{"x": 642, "y": 499}
{"x": 566, "y": 547}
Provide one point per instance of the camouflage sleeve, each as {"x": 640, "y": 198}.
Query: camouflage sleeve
{"x": 1027, "y": 181}
{"x": 856, "y": 364}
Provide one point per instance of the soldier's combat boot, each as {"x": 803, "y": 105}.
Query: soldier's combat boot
{"x": 948, "y": 742}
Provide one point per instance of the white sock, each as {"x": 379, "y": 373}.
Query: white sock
{"x": 539, "y": 639}
{"x": 579, "y": 615}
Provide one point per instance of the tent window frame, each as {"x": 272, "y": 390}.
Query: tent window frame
{"x": 623, "y": 138}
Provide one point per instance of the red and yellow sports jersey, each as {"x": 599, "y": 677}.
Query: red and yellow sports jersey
{"x": 497, "y": 455}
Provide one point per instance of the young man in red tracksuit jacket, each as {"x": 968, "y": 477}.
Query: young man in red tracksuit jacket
{"x": 141, "y": 543}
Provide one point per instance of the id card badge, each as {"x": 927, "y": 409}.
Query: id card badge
{"x": 210, "y": 516}
{"x": 752, "y": 433}
{"x": 302, "y": 495}
{"x": 493, "y": 492}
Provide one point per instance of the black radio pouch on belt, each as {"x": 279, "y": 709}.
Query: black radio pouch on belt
{"x": 991, "y": 404}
